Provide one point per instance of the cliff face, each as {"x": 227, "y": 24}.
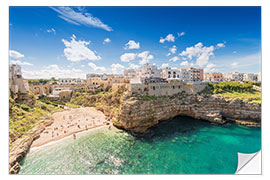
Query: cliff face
{"x": 137, "y": 115}
{"x": 21, "y": 146}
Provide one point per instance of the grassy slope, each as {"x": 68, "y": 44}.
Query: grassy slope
{"x": 22, "y": 117}
{"x": 235, "y": 90}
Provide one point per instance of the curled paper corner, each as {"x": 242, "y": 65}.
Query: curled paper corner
{"x": 249, "y": 163}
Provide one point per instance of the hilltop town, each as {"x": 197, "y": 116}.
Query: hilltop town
{"x": 145, "y": 80}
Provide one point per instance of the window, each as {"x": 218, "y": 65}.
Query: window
{"x": 154, "y": 88}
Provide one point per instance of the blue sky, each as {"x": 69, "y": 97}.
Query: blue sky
{"x": 72, "y": 41}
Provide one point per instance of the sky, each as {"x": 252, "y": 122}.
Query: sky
{"x": 66, "y": 41}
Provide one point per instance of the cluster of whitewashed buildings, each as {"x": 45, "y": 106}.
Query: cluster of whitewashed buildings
{"x": 232, "y": 76}
{"x": 146, "y": 80}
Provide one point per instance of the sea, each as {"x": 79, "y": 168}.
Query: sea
{"x": 181, "y": 145}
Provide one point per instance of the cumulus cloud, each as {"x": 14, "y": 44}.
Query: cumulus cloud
{"x": 133, "y": 66}
{"x": 168, "y": 54}
{"x": 164, "y": 65}
{"x": 169, "y": 38}
{"x": 175, "y": 58}
{"x": 15, "y": 54}
{"x": 96, "y": 68}
{"x": 53, "y": 70}
{"x": 21, "y": 63}
{"x": 235, "y": 65}
{"x": 117, "y": 68}
{"x": 145, "y": 57}
{"x": 184, "y": 63}
{"x": 210, "y": 67}
{"x": 128, "y": 57}
{"x": 52, "y": 30}
{"x": 220, "y": 45}
{"x": 77, "y": 50}
{"x": 132, "y": 45}
{"x": 200, "y": 52}
{"x": 79, "y": 18}
{"x": 107, "y": 40}
{"x": 173, "y": 49}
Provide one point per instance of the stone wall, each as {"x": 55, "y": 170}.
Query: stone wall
{"x": 166, "y": 89}
{"x": 137, "y": 115}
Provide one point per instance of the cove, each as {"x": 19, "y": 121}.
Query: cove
{"x": 181, "y": 145}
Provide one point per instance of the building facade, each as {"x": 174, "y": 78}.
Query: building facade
{"x": 16, "y": 82}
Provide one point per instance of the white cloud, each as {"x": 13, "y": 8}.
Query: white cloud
{"x": 168, "y": 54}
{"x": 77, "y": 50}
{"x": 82, "y": 65}
{"x": 128, "y": 57}
{"x": 181, "y": 34}
{"x": 15, "y": 54}
{"x": 52, "y": 30}
{"x": 133, "y": 66}
{"x": 184, "y": 63}
{"x": 173, "y": 49}
{"x": 210, "y": 67}
{"x": 220, "y": 45}
{"x": 80, "y": 18}
{"x": 164, "y": 65}
{"x": 175, "y": 58}
{"x": 107, "y": 40}
{"x": 117, "y": 68}
{"x": 21, "y": 63}
{"x": 53, "y": 71}
{"x": 234, "y": 52}
{"x": 169, "y": 38}
{"x": 145, "y": 57}
{"x": 201, "y": 53}
{"x": 235, "y": 65}
{"x": 96, "y": 68}
{"x": 132, "y": 45}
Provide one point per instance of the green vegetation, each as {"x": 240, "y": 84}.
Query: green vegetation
{"x": 235, "y": 89}
{"x": 38, "y": 81}
{"x": 23, "y": 117}
{"x": 145, "y": 98}
{"x": 254, "y": 96}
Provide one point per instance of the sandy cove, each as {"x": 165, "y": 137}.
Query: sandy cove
{"x": 70, "y": 122}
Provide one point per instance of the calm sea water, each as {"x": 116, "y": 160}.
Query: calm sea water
{"x": 179, "y": 146}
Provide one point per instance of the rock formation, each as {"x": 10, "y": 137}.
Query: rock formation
{"x": 137, "y": 115}
{"x": 21, "y": 146}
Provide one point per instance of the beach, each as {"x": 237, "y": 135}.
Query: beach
{"x": 70, "y": 122}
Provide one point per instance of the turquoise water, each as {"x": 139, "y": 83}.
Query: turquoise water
{"x": 179, "y": 146}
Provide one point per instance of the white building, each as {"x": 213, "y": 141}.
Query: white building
{"x": 233, "y": 76}
{"x": 172, "y": 74}
{"x": 16, "y": 81}
{"x": 71, "y": 81}
{"x": 259, "y": 77}
{"x": 148, "y": 71}
{"x": 129, "y": 73}
{"x": 250, "y": 77}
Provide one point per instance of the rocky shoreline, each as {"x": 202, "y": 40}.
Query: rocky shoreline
{"x": 137, "y": 115}
{"x": 21, "y": 146}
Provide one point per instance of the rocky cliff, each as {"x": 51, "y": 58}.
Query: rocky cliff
{"x": 137, "y": 114}
{"x": 21, "y": 146}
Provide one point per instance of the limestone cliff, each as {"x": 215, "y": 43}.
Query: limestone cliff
{"x": 21, "y": 146}
{"x": 137, "y": 114}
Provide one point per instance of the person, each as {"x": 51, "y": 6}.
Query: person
{"x": 74, "y": 136}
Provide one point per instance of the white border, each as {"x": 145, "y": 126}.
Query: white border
{"x": 265, "y": 70}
